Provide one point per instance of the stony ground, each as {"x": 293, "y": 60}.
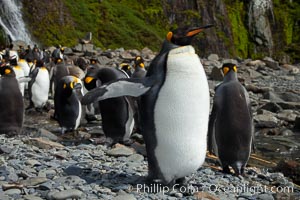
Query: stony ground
{"x": 42, "y": 164}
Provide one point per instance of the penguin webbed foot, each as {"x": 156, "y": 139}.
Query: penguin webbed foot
{"x": 226, "y": 169}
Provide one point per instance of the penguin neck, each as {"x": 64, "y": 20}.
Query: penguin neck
{"x": 231, "y": 76}
{"x": 167, "y": 46}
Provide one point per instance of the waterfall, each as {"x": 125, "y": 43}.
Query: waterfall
{"x": 12, "y": 22}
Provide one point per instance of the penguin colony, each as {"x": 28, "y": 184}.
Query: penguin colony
{"x": 168, "y": 103}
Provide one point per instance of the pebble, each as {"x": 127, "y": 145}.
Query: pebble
{"x": 66, "y": 194}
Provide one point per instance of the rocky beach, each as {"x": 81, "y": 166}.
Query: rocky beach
{"x": 43, "y": 164}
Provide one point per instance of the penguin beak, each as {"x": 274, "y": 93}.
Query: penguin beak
{"x": 77, "y": 86}
{"x": 195, "y": 31}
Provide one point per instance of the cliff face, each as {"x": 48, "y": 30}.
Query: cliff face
{"x": 254, "y": 28}
{"x": 242, "y": 28}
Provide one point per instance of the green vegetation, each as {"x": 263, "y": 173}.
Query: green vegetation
{"x": 236, "y": 14}
{"x": 134, "y": 24}
{"x": 115, "y": 23}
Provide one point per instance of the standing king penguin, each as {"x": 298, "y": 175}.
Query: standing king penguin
{"x": 67, "y": 103}
{"x": 174, "y": 107}
{"x": 11, "y": 103}
{"x": 230, "y": 133}
{"x": 116, "y": 113}
{"x": 39, "y": 86}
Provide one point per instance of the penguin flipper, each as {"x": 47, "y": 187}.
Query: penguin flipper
{"x": 211, "y": 134}
{"x": 118, "y": 88}
{"x": 24, "y": 79}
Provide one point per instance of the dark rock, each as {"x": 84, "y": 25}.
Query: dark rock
{"x": 297, "y": 123}
{"x": 256, "y": 89}
{"x": 272, "y": 96}
{"x": 266, "y": 121}
{"x": 271, "y": 106}
{"x": 66, "y": 194}
{"x": 213, "y": 57}
{"x": 271, "y": 63}
{"x": 290, "y": 168}
{"x": 6, "y": 149}
{"x": 216, "y": 74}
{"x": 287, "y": 115}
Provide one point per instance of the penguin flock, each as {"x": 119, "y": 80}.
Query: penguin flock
{"x": 168, "y": 103}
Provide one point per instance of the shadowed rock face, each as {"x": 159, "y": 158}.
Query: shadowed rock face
{"x": 260, "y": 17}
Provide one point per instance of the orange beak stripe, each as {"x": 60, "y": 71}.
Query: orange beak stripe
{"x": 194, "y": 32}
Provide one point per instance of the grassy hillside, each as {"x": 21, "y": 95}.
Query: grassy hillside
{"x": 114, "y": 23}
{"x": 136, "y": 24}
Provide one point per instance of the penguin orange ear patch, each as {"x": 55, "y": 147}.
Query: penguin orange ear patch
{"x": 88, "y": 79}
{"x": 7, "y": 71}
{"x": 142, "y": 65}
{"x": 65, "y": 85}
{"x": 72, "y": 85}
{"x": 169, "y": 36}
{"x": 234, "y": 68}
{"x": 225, "y": 70}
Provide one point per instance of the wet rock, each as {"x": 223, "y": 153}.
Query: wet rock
{"x": 287, "y": 115}
{"x": 4, "y": 149}
{"x": 216, "y": 74}
{"x": 124, "y": 197}
{"x": 43, "y": 143}
{"x": 32, "y": 162}
{"x": 254, "y": 74}
{"x": 297, "y": 123}
{"x": 271, "y": 106}
{"x": 120, "y": 150}
{"x": 271, "y": 63}
{"x": 256, "y": 63}
{"x": 12, "y": 192}
{"x": 69, "y": 180}
{"x": 34, "y": 181}
{"x": 205, "y": 195}
{"x": 66, "y": 194}
{"x": 289, "y": 105}
{"x": 289, "y": 168}
{"x": 43, "y": 133}
{"x": 265, "y": 197}
{"x": 213, "y": 57}
{"x": 135, "y": 158}
{"x": 266, "y": 121}
{"x": 272, "y": 96}
{"x": 32, "y": 197}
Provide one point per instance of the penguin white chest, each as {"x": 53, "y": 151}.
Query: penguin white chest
{"x": 40, "y": 88}
{"x": 181, "y": 115}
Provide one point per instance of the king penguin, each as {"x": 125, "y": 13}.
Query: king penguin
{"x": 13, "y": 61}
{"x": 67, "y": 103}
{"x": 116, "y": 113}
{"x": 139, "y": 68}
{"x": 230, "y": 132}
{"x": 11, "y": 103}
{"x": 174, "y": 107}
{"x": 39, "y": 86}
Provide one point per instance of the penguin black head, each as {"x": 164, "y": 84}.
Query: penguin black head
{"x": 184, "y": 36}
{"x": 70, "y": 84}
{"x": 13, "y": 60}
{"x": 39, "y": 63}
{"x": 7, "y": 71}
{"x": 227, "y": 67}
{"x": 139, "y": 62}
{"x": 125, "y": 66}
{"x": 90, "y": 82}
